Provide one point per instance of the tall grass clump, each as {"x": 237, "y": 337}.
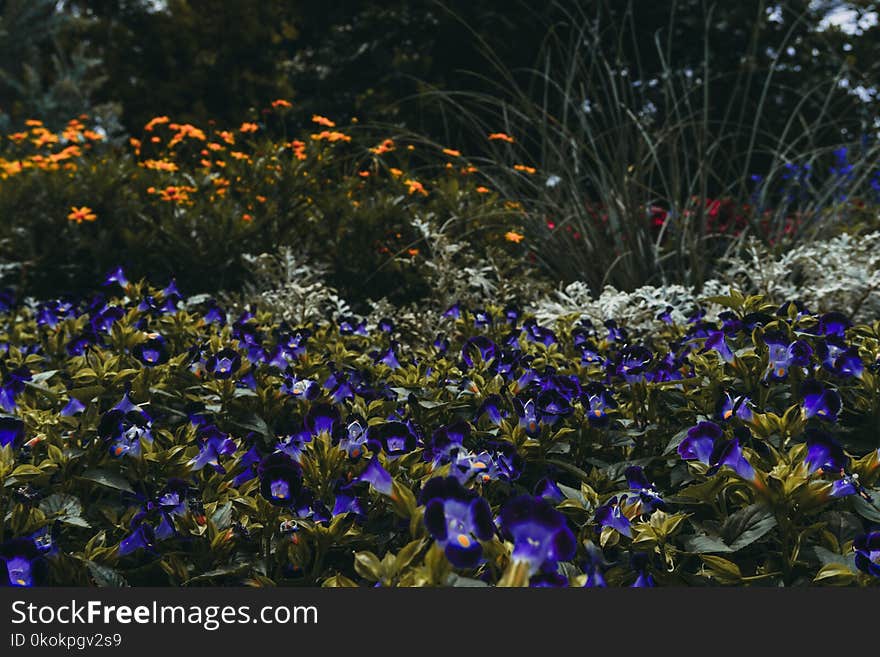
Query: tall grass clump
{"x": 638, "y": 165}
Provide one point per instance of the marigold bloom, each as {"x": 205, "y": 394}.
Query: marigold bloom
{"x": 395, "y": 172}
{"x": 511, "y": 236}
{"x": 452, "y": 152}
{"x": 524, "y": 168}
{"x": 331, "y": 136}
{"x": 32, "y": 123}
{"x": 413, "y": 252}
{"x": 482, "y": 190}
{"x": 226, "y": 136}
{"x": 248, "y": 127}
{"x": 415, "y": 187}
{"x": 500, "y": 136}
{"x": 159, "y": 165}
{"x": 323, "y": 120}
{"x": 246, "y": 217}
{"x": 156, "y": 121}
{"x": 281, "y": 103}
{"x": 364, "y": 174}
{"x": 299, "y": 149}
{"x": 82, "y": 214}
{"x": 18, "y": 137}
{"x": 386, "y": 146}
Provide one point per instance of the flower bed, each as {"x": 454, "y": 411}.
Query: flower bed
{"x": 151, "y": 439}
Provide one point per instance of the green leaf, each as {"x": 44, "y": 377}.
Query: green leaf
{"x": 721, "y": 569}
{"x": 834, "y": 574}
{"x": 868, "y": 510}
{"x": 105, "y": 577}
{"x": 747, "y": 525}
{"x": 368, "y": 566}
{"x": 107, "y": 478}
{"x": 65, "y": 508}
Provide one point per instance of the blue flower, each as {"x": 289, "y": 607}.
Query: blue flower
{"x": 280, "y": 479}
{"x": 11, "y": 431}
{"x": 611, "y": 515}
{"x": 640, "y": 561}
{"x": 457, "y": 519}
{"x": 820, "y": 401}
{"x": 867, "y": 547}
{"x": 377, "y": 476}
{"x": 540, "y": 534}
{"x": 718, "y": 343}
{"x": 699, "y": 443}
{"x": 645, "y": 492}
{"x": 124, "y": 426}
{"x": 783, "y": 355}
{"x": 394, "y": 438}
{"x": 224, "y": 363}
{"x": 824, "y": 453}
{"x": 213, "y": 444}
{"x": 728, "y": 406}
{"x": 116, "y": 276}
{"x": 478, "y": 345}
{"x": 354, "y": 441}
{"x": 597, "y": 400}
{"x": 22, "y": 560}
{"x": 152, "y": 351}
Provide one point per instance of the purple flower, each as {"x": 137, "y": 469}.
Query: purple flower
{"x": 820, "y": 401}
{"x": 728, "y": 405}
{"x": 377, "y": 476}
{"x": 124, "y": 426}
{"x": 783, "y": 355}
{"x": 718, "y": 343}
{"x": 541, "y": 537}
{"x": 394, "y": 438}
{"x": 213, "y": 444}
{"x": 699, "y": 443}
{"x": 457, "y": 520}
{"x": 224, "y": 363}
{"x": 867, "y": 547}
{"x": 611, "y": 515}
{"x": 152, "y": 351}
{"x": 280, "y": 479}
{"x": 22, "y": 561}
{"x": 824, "y": 453}
{"x": 481, "y": 346}
{"x": 597, "y": 400}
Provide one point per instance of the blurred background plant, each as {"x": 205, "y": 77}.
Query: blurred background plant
{"x": 617, "y": 144}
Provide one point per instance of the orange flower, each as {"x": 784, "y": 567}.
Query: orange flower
{"x": 415, "y": 187}
{"x": 331, "y": 136}
{"x": 299, "y": 149}
{"x": 246, "y": 217}
{"x": 281, "y": 103}
{"x": 451, "y": 152}
{"x": 18, "y": 136}
{"x": 159, "y": 165}
{"x": 31, "y": 123}
{"x": 413, "y": 252}
{"x": 323, "y": 120}
{"x": 386, "y": 146}
{"x": 395, "y": 172}
{"x": 156, "y": 121}
{"x": 364, "y": 174}
{"x": 82, "y": 214}
{"x": 511, "y": 236}
{"x": 500, "y": 136}
{"x": 524, "y": 168}
{"x": 260, "y": 199}
{"x": 227, "y": 136}
{"x": 248, "y": 127}
{"x": 483, "y": 190}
